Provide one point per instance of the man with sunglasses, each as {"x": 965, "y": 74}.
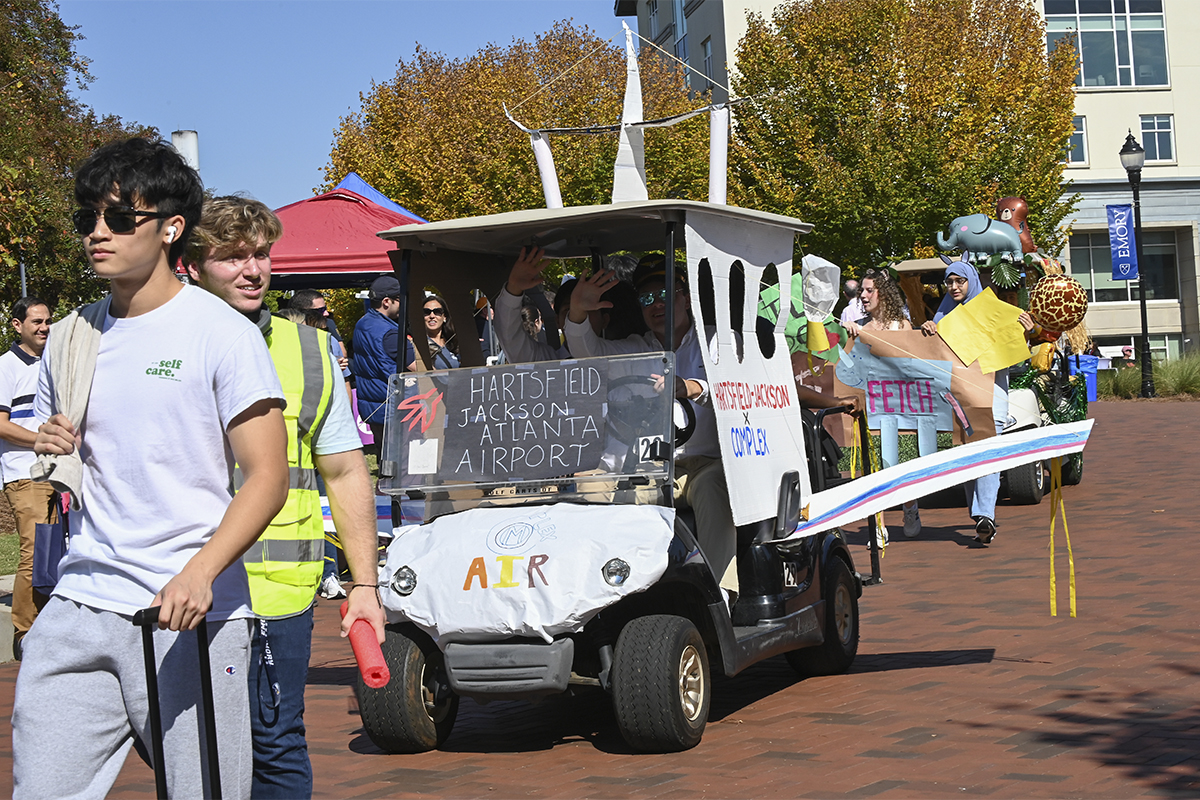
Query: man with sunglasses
{"x": 230, "y": 256}
{"x": 176, "y": 386}
{"x": 700, "y": 477}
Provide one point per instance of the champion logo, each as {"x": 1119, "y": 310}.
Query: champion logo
{"x": 230, "y": 670}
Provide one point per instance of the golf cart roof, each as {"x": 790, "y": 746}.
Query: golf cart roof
{"x": 572, "y": 232}
{"x": 934, "y": 264}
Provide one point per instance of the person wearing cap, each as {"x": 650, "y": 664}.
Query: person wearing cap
{"x": 1127, "y": 359}
{"x": 376, "y": 341}
{"x": 700, "y": 478}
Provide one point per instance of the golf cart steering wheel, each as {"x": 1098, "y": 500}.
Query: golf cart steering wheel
{"x": 682, "y": 434}
{"x": 632, "y": 419}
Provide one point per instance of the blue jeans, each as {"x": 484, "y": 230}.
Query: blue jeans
{"x": 331, "y": 559}
{"x": 281, "y": 765}
{"x": 982, "y": 492}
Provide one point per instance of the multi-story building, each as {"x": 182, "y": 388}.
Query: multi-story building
{"x": 1137, "y": 73}
{"x": 702, "y": 33}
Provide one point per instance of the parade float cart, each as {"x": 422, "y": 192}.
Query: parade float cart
{"x": 552, "y": 557}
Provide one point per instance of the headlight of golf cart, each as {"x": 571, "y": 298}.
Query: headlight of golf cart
{"x": 615, "y": 572}
{"x": 404, "y": 581}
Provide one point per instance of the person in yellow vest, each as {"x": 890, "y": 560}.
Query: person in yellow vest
{"x": 230, "y": 256}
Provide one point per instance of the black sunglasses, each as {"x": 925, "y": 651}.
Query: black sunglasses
{"x": 119, "y": 219}
{"x": 437, "y": 312}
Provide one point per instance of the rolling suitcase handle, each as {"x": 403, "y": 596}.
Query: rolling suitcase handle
{"x": 147, "y": 619}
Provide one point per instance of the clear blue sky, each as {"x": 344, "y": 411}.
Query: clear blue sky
{"x": 265, "y": 83}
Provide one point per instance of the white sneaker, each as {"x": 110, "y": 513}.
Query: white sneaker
{"x": 331, "y": 589}
{"x": 881, "y": 536}
{"x": 912, "y": 521}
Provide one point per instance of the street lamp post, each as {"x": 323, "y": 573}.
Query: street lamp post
{"x": 1132, "y": 159}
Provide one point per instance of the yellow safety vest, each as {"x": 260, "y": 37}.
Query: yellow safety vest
{"x": 285, "y": 564}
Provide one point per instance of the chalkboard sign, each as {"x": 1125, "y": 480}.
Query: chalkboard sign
{"x": 518, "y": 422}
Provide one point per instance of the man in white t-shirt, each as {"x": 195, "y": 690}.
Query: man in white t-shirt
{"x": 182, "y": 388}
{"x": 854, "y": 310}
{"x": 230, "y": 256}
{"x": 31, "y": 502}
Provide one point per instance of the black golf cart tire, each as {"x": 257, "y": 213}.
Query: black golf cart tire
{"x": 395, "y": 716}
{"x": 1027, "y": 484}
{"x": 1072, "y": 469}
{"x": 655, "y": 658}
{"x": 835, "y": 655}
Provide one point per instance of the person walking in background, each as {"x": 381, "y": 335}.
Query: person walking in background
{"x": 376, "y": 341}
{"x": 883, "y": 310}
{"x": 962, "y": 286}
{"x": 32, "y": 502}
{"x": 853, "y": 310}
{"x": 230, "y": 256}
{"x": 147, "y": 398}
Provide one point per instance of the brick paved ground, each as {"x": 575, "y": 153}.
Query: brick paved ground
{"x": 965, "y": 685}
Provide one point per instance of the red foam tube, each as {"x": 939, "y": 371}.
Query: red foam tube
{"x": 365, "y": 645}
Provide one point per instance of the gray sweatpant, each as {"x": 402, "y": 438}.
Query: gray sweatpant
{"x": 81, "y": 696}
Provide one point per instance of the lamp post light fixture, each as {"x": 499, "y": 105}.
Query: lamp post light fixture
{"x": 1133, "y": 156}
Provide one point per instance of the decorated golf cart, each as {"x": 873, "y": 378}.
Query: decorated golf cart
{"x": 552, "y": 557}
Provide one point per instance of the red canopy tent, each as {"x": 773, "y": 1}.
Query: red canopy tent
{"x": 329, "y": 242}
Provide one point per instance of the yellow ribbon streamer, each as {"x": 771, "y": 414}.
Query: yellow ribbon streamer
{"x": 855, "y": 447}
{"x": 1056, "y": 502}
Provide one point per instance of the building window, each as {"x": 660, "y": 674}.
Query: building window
{"x": 1157, "y": 137}
{"x": 1091, "y": 265}
{"x": 681, "y": 51}
{"x": 1077, "y": 148}
{"x": 1118, "y": 42}
{"x": 706, "y": 48}
{"x": 652, "y": 11}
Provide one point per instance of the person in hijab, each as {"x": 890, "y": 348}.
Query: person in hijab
{"x": 962, "y": 286}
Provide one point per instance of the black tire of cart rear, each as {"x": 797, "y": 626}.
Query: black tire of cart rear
{"x": 415, "y": 711}
{"x": 837, "y": 653}
{"x": 1072, "y": 469}
{"x": 661, "y": 684}
{"x": 1027, "y": 484}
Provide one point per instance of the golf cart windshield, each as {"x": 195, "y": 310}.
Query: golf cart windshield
{"x": 588, "y": 429}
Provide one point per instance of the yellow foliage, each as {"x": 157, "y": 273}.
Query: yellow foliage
{"x": 436, "y": 139}
{"x": 881, "y": 120}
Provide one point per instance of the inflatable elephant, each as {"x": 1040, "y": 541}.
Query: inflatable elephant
{"x": 978, "y": 235}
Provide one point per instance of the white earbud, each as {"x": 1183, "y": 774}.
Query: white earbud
{"x": 171, "y": 229}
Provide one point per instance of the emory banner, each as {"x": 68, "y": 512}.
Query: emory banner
{"x": 1121, "y": 240}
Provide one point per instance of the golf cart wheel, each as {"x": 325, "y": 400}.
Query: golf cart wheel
{"x": 1072, "y": 469}
{"x": 415, "y": 711}
{"x": 661, "y": 684}
{"x": 1027, "y": 484}
{"x": 840, "y": 647}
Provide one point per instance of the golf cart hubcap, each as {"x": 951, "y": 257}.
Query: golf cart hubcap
{"x": 691, "y": 683}
{"x": 843, "y": 614}
{"x": 437, "y": 712}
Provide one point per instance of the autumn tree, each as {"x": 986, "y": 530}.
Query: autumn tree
{"x": 435, "y": 137}
{"x": 881, "y": 120}
{"x": 44, "y": 134}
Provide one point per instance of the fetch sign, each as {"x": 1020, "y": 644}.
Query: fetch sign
{"x": 1124, "y": 246}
